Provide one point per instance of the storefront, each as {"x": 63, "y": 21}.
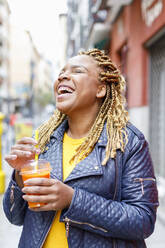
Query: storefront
{"x": 138, "y": 47}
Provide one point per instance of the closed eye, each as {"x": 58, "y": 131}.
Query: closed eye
{"x": 78, "y": 71}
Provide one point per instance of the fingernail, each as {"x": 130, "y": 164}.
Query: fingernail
{"x": 26, "y": 182}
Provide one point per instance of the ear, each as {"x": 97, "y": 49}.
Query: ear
{"x": 101, "y": 92}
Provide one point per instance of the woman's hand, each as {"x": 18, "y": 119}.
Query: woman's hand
{"x": 54, "y": 193}
{"x": 22, "y": 151}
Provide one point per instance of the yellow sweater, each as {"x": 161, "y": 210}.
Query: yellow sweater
{"x": 57, "y": 234}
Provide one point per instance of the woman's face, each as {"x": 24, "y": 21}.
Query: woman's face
{"x": 77, "y": 87}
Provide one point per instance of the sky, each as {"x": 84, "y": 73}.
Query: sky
{"x": 40, "y": 17}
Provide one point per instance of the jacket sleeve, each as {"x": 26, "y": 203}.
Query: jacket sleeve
{"x": 13, "y": 204}
{"x": 134, "y": 216}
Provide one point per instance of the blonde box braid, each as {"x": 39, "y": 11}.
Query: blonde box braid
{"x": 112, "y": 111}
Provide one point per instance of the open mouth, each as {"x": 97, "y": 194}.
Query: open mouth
{"x": 64, "y": 90}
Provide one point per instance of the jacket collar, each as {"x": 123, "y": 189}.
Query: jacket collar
{"x": 91, "y": 165}
{"x": 60, "y": 130}
{"x": 59, "y": 133}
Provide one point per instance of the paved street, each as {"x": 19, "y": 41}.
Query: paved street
{"x": 9, "y": 234}
{"x": 157, "y": 239}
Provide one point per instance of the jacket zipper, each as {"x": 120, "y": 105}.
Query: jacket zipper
{"x": 114, "y": 243}
{"x": 144, "y": 179}
{"x": 67, "y": 228}
{"x": 114, "y": 196}
{"x": 116, "y": 180}
{"x": 67, "y": 220}
{"x": 141, "y": 180}
{"x": 12, "y": 197}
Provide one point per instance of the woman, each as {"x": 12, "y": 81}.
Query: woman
{"x": 102, "y": 190}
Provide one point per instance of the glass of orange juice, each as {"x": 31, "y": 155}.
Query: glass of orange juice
{"x": 35, "y": 169}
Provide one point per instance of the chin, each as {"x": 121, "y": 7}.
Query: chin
{"x": 62, "y": 109}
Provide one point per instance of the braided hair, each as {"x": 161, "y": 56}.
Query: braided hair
{"x": 112, "y": 111}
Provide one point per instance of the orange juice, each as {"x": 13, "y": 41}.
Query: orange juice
{"x": 31, "y": 170}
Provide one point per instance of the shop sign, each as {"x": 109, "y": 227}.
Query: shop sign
{"x": 151, "y": 10}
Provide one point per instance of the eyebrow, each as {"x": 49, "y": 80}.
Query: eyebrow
{"x": 76, "y": 66}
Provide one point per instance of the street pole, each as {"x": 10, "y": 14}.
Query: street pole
{"x": 32, "y": 66}
{"x": 2, "y": 174}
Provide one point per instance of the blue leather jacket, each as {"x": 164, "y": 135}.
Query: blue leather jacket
{"x": 113, "y": 205}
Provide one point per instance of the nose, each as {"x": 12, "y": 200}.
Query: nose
{"x": 64, "y": 75}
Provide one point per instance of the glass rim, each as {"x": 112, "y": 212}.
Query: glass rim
{"x": 35, "y": 171}
{"x": 30, "y": 166}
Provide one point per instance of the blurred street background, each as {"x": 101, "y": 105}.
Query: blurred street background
{"x": 36, "y": 39}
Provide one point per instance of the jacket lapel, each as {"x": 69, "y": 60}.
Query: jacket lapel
{"x": 56, "y": 162}
{"x": 89, "y": 166}
{"x": 55, "y": 151}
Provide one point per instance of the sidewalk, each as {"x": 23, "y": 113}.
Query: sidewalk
{"x": 157, "y": 239}
{"x": 9, "y": 234}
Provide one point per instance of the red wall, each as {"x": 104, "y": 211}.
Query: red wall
{"x": 135, "y": 34}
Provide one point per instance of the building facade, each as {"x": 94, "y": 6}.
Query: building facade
{"x": 20, "y": 73}
{"x": 30, "y": 74}
{"x": 4, "y": 56}
{"x": 138, "y": 47}
{"x": 86, "y": 25}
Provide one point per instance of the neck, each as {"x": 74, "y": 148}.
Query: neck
{"x": 80, "y": 125}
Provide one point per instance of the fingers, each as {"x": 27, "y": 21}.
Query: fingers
{"x": 17, "y": 155}
{"x": 34, "y": 190}
{"x": 42, "y": 190}
{"x": 37, "y": 190}
{"x": 24, "y": 147}
{"x": 21, "y": 154}
{"x": 46, "y": 207}
{"x": 24, "y": 150}
{"x": 27, "y": 140}
{"x": 39, "y": 198}
{"x": 41, "y": 182}
{"x": 11, "y": 157}
{"x": 54, "y": 193}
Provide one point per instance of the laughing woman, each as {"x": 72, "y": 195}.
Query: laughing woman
{"x": 102, "y": 191}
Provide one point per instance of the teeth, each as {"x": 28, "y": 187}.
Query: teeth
{"x": 62, "y": 90}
